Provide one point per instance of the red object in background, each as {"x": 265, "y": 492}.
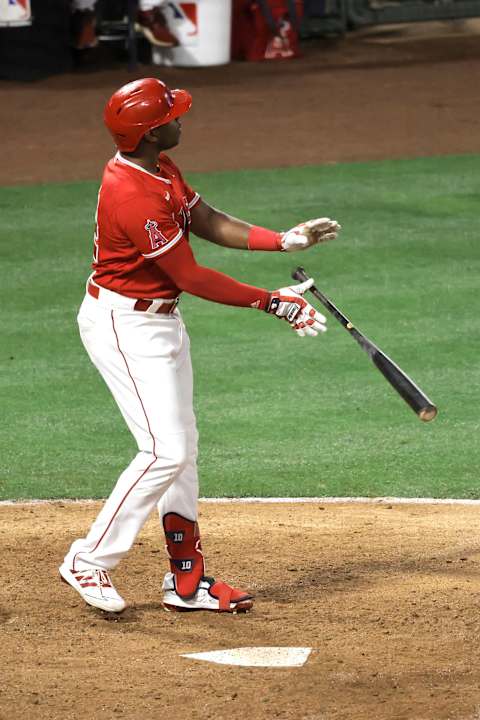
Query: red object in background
{"x": 252, "y": 37}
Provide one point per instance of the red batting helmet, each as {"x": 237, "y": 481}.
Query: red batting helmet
{"x": 140, "y": 106}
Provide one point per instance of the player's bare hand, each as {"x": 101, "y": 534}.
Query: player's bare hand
{"x": 289, "y": 304}
{"x": 310, "y": 233}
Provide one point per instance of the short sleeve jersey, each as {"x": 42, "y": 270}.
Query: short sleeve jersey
{"x": 140, "y": 217}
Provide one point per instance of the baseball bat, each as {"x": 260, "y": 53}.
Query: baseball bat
{"x": 399, "y": 380}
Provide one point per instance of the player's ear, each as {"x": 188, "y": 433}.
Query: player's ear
{"x": 150, "y": 137}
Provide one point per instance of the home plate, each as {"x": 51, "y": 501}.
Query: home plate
{"x": 256, "y": 656}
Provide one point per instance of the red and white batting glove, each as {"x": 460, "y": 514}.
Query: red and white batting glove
{"x": 309, "y": 233}
{"x": 287, "y": 303}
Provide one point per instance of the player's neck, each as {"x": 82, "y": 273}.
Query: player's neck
{"x": 148, "y": 163}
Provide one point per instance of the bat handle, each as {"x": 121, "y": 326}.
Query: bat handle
{"x": 300, "y": 274}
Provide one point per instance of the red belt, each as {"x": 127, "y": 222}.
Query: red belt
{"x": 140, "y": 305}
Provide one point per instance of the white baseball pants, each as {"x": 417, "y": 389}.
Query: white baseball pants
{"x": 145, "y": 360}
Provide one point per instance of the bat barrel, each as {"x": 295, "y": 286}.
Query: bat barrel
{"x": 428, "y": 413}
{"x": 404, "y": 385}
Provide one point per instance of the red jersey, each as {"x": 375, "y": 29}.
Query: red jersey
{"x": 140, "y": 217}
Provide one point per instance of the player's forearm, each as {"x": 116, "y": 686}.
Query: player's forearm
{"x": 217, "y": 287}
{"x": 223, "y": 229}
{"x": 220, "y": 228}
{"x": 181, "y": 267}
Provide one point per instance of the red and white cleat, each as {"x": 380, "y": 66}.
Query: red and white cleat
{"x": 211, "y": 594}
{"x": 95, "y": 587}
{"x": 153, "y": 25}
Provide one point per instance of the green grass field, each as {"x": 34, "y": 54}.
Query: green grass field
{"x": 278, "y": 415}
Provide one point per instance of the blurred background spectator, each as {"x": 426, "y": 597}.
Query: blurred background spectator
{"x": 150, "y": 22}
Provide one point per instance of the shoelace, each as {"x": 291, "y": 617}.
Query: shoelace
{"x": 94, "y": 578}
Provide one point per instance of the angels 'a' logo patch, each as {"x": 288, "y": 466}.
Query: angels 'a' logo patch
{"x": 157, "y": 239}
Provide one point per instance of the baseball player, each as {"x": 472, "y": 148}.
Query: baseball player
{"x": 132, "y": 330}
{"x": 151, "y": 22}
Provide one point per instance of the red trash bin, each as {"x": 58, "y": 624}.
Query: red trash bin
{"x": 266, "y": 35}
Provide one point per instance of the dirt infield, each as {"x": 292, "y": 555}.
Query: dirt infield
{"x": 387, "y": 597}
{"x": 362, "y": 98}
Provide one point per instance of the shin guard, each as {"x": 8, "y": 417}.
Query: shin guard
{"x": 185, "y": 552}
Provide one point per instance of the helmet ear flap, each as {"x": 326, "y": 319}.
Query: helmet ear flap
{"x": 140, "y": 106}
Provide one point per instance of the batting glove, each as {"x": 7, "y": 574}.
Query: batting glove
{"x": 287, "y": 303}
{"x": 309, "y": 233}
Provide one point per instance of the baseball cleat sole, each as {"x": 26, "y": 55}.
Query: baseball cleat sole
{"x": 243, "y": 607}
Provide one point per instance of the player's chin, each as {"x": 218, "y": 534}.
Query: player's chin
{"x": 173, "y": 143}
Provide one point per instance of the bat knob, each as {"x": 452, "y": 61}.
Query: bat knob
{"x": 299, "y": 274}
{"x": 428, "y": 413}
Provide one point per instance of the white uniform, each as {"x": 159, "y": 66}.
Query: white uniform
{"x": 144, "y": 359}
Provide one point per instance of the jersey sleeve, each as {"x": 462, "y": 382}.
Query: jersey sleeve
{"x": 192, "y": 196}
{"x": 182, "y": 268}
{"x": 149, "y": 225}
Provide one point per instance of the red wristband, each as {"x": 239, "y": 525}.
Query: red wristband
{"x": 262, "y": 239}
